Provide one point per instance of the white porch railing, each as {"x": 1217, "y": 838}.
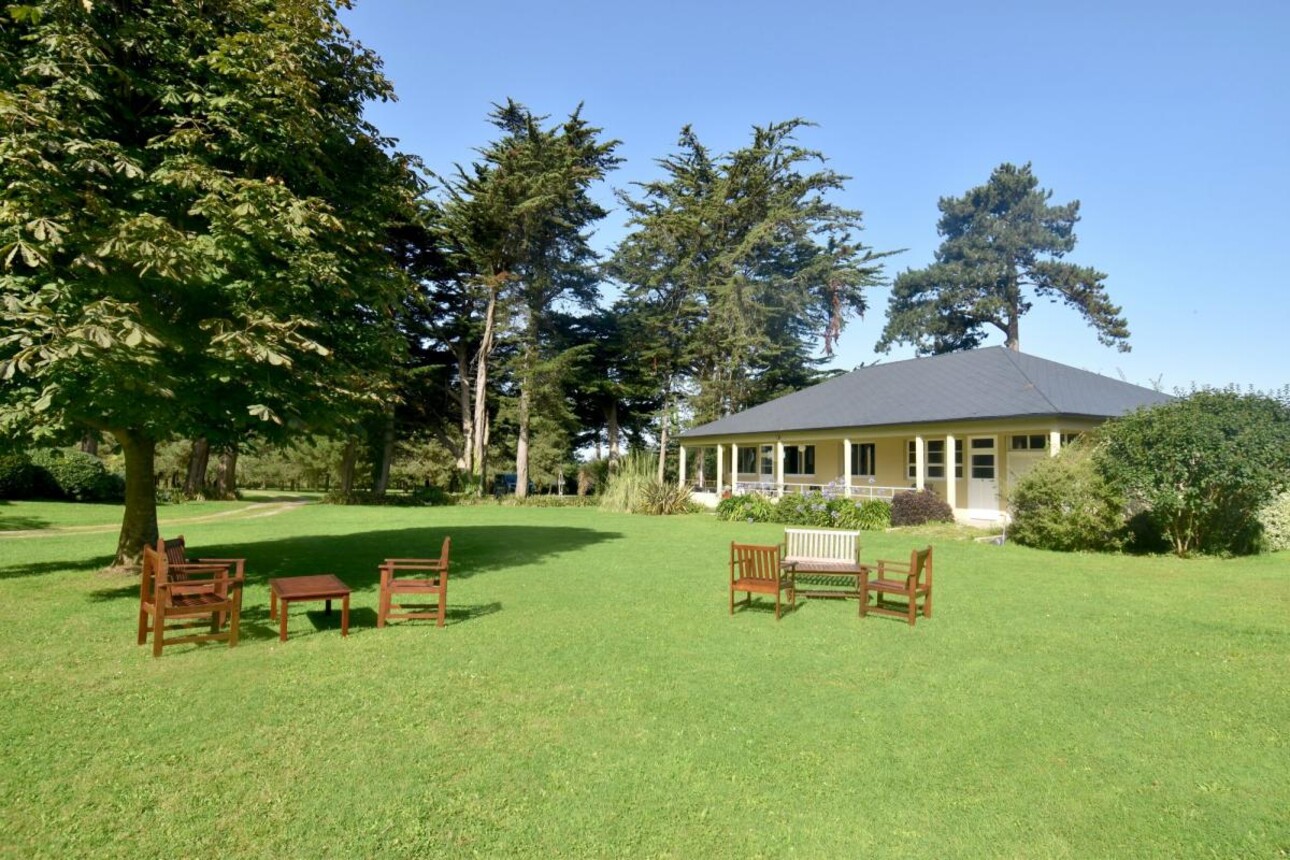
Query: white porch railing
{"x": 832, "y": 489}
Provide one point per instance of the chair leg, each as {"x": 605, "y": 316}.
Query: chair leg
{"x": 732, "y": 599}
{"x": 443, "y": 606}
{"x": 215, "y": 621}
{"x": 158, "y": 628}
{"x": 143, "y": 626}
{"x": 913, "y": 607}
{"x": 927, "y": 604}
{"x": 777, "y": 594}
{"x": 382, "y": 607}
{"x": 233, "y": 618}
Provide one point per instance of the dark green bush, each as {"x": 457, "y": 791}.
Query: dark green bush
{"x": 1065, "y": 504}
{"x": 1201, "y": 467}
{"x": 367, "y": 497}
{"x": 750, "y": 507}
{"x": 78, "y": 476}
{"x": 915, "y": 509}
{"x": 19, "y": 479}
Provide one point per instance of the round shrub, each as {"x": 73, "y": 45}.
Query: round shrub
{"x": 915, "y": 509}
{"x": 79, "y": 476}
{"x": 750, "y": 507}
{"x": 1275, "y": 519}
{"x": 1065, "y": 504}
{"x": 1201, "y": 467}
{"x": 19, "y": 479}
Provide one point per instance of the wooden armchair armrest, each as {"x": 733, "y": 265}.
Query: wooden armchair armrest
{"x": 239, "y": 563}
{"x": 234, "y": 582}
{"x": 192, "y": 567}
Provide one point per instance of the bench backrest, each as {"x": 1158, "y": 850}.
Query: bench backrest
{"x": 822, "y": 544}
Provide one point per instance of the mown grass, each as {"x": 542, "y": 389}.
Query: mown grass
{"x": 20, "y": 515}
{"x": 592, "y": 697}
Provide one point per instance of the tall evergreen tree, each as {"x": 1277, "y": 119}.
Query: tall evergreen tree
{"x": 193, "y": 224}
{"x": 521, "y": 217}
{"x": 1000, "y": 239}
{"x": 736, "y": 268}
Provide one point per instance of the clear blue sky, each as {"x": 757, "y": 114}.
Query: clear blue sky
{"x": 1168, "y": 121}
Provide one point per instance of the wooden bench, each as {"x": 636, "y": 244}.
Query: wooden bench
{"x": 825, "y": 557}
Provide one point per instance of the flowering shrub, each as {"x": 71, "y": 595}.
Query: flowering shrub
{"x": 1275, "y": 519}
{"x": 749, "y": 507}
{"x": 871, "y": 515}
{"x": 807, "y": 509}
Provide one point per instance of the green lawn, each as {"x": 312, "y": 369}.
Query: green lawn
{"x": 592, "y": 697}
{"x": 16, "y": 516}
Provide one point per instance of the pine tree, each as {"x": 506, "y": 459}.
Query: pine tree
{"x": 1000, "y": 239}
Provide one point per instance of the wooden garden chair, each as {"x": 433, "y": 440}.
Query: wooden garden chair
{"x": 204, "y": 590}
{"x": 898, "y": 579}
{"x": 176, "y": 552}
{"x": 424, "y": 587}
{"x": 757, "y": 570}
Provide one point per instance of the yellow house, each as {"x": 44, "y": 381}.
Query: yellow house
{"x": 966, "y": 425}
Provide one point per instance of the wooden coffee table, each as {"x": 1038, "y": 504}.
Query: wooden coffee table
{"x": 323, "y": 586}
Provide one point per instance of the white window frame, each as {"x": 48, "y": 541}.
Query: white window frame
{"x": 934, "y": 461}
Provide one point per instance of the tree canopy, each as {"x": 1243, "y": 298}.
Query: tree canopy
{"x": 736, "y": 268}
{"x": 193, "y": 223}
{"x": 1000, "y": 239}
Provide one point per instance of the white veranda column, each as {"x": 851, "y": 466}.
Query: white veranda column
{"x": 846, "y": 467}
{"x": 779, "y": 469}
{"x": 1054, "y": 442}
{"x": 734, "y": 467}
{"x": 721, "y": 466}
{"x": 920, "y": 463}
{"x": 680, "y": 467}
{"x": 951, "y": 479}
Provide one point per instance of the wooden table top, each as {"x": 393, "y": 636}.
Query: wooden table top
{"x": 318, "y": 587}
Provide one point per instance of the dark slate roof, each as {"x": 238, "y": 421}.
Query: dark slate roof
{"x": 982, "y": 383}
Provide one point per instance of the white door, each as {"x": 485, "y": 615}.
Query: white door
{"x": 983, "y": 473}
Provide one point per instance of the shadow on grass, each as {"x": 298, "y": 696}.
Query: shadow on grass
{"x": 354, "y": 558}
{"x": 19, "y": 524}
{"x": 40, "y": 568}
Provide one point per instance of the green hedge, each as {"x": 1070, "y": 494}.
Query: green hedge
{"x": 59, "y": 473}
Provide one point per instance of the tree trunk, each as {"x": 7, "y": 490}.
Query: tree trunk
{"x": 467, "y": 416}
{"x": 347, "y": 466}
{"x": 381, "y": 471}
{"x": 525, "y": 405}
{"x": 226, "y": 475}
{"x": 139, "y": 526}
{"x": 662, "y": 440}
{"x": 90, "y": 442}
{"x": 480, "y": 453}
{"x": 198, "y": 460}
{"x": 611, "y": 422}
{"x": 1013, "y": 341}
